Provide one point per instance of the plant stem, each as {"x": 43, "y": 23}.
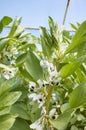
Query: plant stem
{"x": 48, "y": 98}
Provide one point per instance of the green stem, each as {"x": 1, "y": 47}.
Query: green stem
{"x": 48, "y": 98}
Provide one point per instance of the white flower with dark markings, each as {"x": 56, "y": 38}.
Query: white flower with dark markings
{"x": 37, "y": 97}
{"x": 37, "y": 125}
{"x": 32, "y": 86}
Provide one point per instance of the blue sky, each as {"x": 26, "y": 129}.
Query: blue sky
{"x": 35, "y": 12}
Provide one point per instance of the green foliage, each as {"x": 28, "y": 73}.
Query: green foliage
{"x": 79, "y": 38}
{"x": 32, "y": 65}
{"x": 68, "y": 69}
{"x": 4, "y": 21}
{"x": 6, "y": 122}
{"x": 20, "y": 125}
{"x": 78, "y": 96}
{"x": 42, "y": 80}
{"x": 3, "y": 43}
{"x": 62, "y": 121}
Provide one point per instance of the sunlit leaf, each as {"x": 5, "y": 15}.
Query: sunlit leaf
{"x": 78, "y": 38}
{"x": 4, "y": 21}
{"x": 6, "y": 122}
{"x": 68, "y": 69}
{"x": 4, "y": 111}
{"x": 9, "y": 99}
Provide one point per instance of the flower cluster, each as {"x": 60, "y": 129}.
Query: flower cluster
{"x": 53, "y": 75}
{"x": 37, "y": 95}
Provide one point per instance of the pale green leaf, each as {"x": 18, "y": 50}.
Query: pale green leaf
{"x": 64, "y": 107}
{"x": 9, "y": 99}
{"x": 68, "y": 69}
{"x": 6, "y": 122}
{"x": 4, "y": 110}
{"x": 78, "y": 96}
{"x": 74, "y": 128}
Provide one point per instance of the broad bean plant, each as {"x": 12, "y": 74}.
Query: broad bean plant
{"x": 42, "y": 79}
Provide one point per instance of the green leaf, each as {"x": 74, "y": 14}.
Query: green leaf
{"x": 4, "y": 88}
{"x": 62, "y": 121}
{"x": 80, "y": 75}
{"x": 74, "y": 127}
{"x": 20, "y": 60}
{"x": 73, "y": 26}
{"x": 78, "y": 96}
{"x": 46, "y": 42}
{"x": 32, "y": 65}
{"x": 9, "y": 99}
{"x": 2, "y": 79}
{"x": 64, "y": 107}
{"x": 25, "y": 74}
{"x": 27, "y": 45}
{"x": 19, "y": 109}
{"x": 14, "y": 26}
{"x": 4, "y": 111}
{"x": 6, "y": 20}
{"x": 78, "y": 38}
{"x": 10, "y": 84}
{"x": 68, "y": 69}
{"x": 3, "y": 42}
{"x": 6, "y": 122}
{"x": 1, "y": 27}
{"x": 20, "y": 124}
{"x": 19, "y": 31}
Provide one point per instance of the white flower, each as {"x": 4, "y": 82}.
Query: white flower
{"x": 37, "y": 125}
{"x": 44, "y": 63}
{"x": 37, "y": 97}
{"x": 12, "y": 62}
{"x": 33, "y": 96}
{"x": 42, "y": 83}
{"x": 32, "y": 86}
{"x": 53, "y": 75}
{"x": 52, "y": 112}
{"x": 9, "y": 73}
{"x": 53, "y": 96}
